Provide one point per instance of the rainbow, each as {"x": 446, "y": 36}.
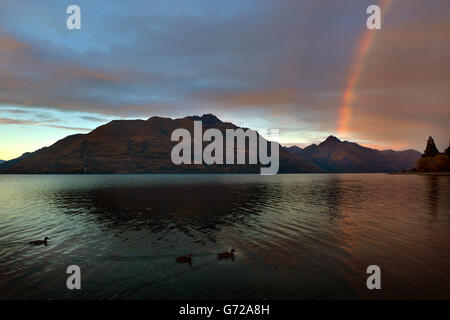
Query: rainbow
{"x": 360, "y": 56}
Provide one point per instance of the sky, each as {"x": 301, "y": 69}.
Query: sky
{"x": 309, "y": 68}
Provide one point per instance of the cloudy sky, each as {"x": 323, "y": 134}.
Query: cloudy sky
{"x": 310, "y": 68}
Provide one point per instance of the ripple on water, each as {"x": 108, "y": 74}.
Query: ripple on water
{"x": 296, "y": 236}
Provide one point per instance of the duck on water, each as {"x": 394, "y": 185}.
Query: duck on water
{"x": 226, "y": 255}
{"x": 183, "y": 259}
{"x": 220, "y": 256}
{"x": 39, "y": 242}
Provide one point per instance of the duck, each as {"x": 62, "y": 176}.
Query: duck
{"x": 226, "y": 255}
{"x": 39, "y": 242}
{"x": 183, "y": 259}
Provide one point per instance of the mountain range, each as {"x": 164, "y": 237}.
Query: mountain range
{"x": 144, "y": 146}
{"x": 334, "y": 155}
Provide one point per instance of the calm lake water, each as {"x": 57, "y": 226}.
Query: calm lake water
{"x": 296, "y": 236}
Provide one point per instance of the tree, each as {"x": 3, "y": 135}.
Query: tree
{"x": 439, "y": 163}
{"x": 430, "y": 150}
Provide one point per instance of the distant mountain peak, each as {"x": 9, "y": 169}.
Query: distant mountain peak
{"x": 155, "y": 118}
{"x": 296, "y": 148}
{"x": 330, "y": 140}
{"x": 208, "y": 118}
{"x": 334, "y": 155}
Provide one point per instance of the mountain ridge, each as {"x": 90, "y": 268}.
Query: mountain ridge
{"x": 334, "y": 155}
{"x": 136, "y": 146}
{"x": 144, "y": 146}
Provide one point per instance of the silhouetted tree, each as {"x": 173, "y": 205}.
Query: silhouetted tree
{"x": 430, "y": 150}
{"x": 447, "y": 151}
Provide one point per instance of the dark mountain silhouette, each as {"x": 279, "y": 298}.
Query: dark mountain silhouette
{"x": 334, "y": 155}
{"x": 144, "y": 146}
{"x": 134, "y": 146}
{"x": 6, "y": 164}
{"x": 431, "y": 150}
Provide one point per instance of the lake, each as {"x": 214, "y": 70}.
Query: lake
{"x": 299, "y": 236}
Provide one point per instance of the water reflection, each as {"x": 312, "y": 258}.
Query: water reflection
{"x": 296, "y": 236}
{"x": 204, "y": 207}
{"x": 432, "y": 183}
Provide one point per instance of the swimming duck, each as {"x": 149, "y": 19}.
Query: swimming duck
{"x": 39, "y": 242}
{"x": 182, "y": 259}
{"x": 226, "y": 255}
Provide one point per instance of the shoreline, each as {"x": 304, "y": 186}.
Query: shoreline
{"x": 423, "y": 173}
